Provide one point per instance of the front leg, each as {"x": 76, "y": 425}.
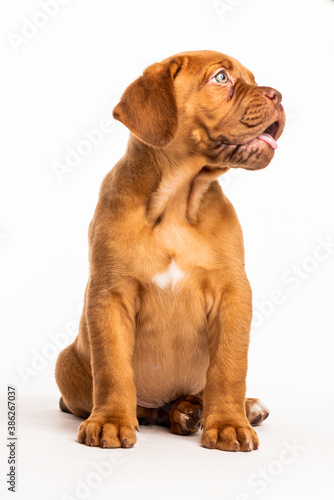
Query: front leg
{"x": 225, "y": 425}
{"x": 111, "y": 323}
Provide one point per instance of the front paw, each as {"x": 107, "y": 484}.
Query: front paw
{"x": 108, "y": 432}
{"x": 229, "y": 435}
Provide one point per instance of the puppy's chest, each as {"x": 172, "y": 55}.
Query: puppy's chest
{"x": 179, "y": 252}
{"x": 169, "y": 278}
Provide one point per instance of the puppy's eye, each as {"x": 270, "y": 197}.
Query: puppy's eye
{"x": 221, "y": 77}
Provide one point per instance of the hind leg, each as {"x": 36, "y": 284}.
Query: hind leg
{"x": 75, "y": 383}
{"x": 184, "y": 415}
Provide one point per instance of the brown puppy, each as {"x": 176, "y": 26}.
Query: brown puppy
{"x": 168, "y": 305}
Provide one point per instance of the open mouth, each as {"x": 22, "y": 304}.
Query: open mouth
{"x": 269, "y": 135}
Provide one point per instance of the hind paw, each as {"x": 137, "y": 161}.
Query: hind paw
{"x": 256, "y": 411}
{"x": 186, "y": 414}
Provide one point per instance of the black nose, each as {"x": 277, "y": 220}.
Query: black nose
{"x": 273, "y": 95}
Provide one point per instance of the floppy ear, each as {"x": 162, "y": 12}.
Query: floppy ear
{"x": 148, "y": 107}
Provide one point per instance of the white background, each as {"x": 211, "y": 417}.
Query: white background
{"x": 65, "y": 79}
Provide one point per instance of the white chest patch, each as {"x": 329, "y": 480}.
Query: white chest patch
{"x": 170, "y": 277}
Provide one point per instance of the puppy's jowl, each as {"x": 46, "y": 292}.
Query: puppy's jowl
{"x": 165, "y": 328}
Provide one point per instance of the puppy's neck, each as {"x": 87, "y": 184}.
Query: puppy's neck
{"x": 178, "y": 182}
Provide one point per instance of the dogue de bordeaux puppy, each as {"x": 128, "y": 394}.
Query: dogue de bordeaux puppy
{"x": 165, "y": 328}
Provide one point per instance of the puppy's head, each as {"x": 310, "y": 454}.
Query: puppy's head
{"x": 209, "y": 103}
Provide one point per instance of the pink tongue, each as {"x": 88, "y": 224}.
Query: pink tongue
{"x": 269, "y": 140}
